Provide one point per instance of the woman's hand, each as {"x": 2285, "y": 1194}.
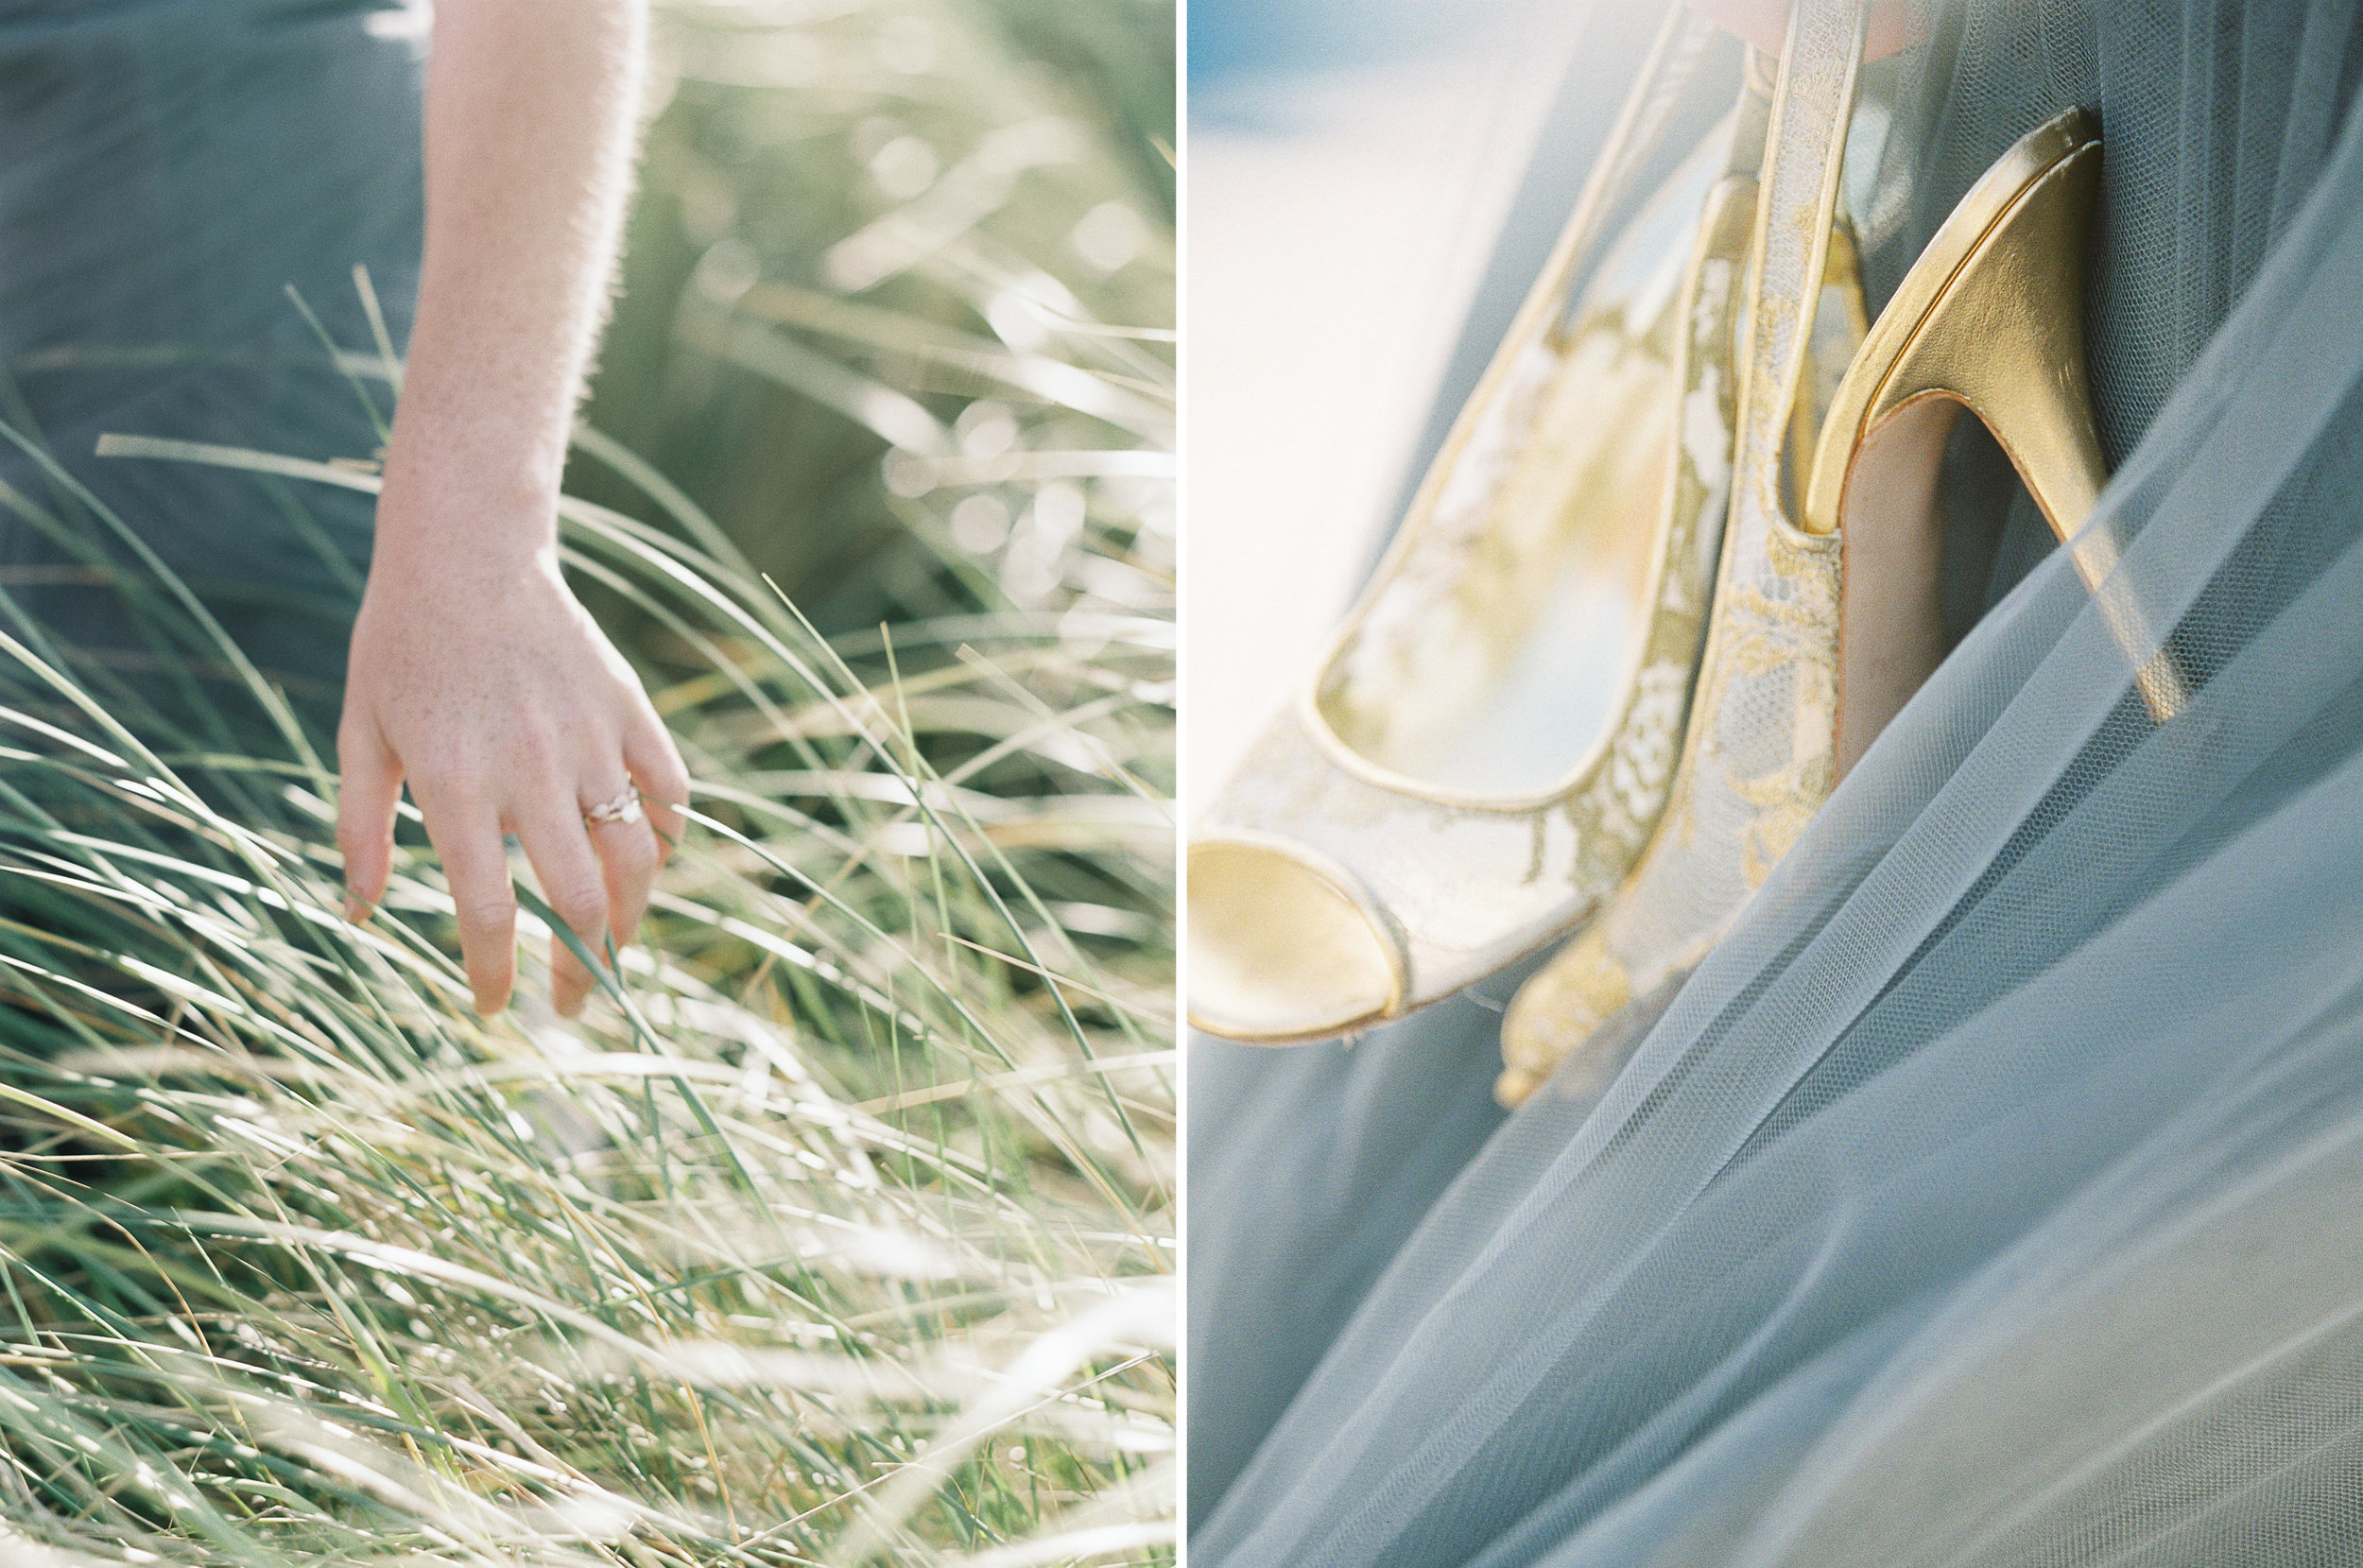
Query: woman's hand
{"x": 476, "y": 676}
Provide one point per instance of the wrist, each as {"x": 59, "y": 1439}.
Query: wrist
{"x": 472, "y": 434}
{"x": 499, "y": 515}
{"x": 451, "y": 558}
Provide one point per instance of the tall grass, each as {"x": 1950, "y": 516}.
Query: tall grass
{"x": 840, "y": 1229}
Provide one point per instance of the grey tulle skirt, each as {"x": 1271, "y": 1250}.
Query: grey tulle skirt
{"x": 1990, "y": 1194}
{"x": 174, "y": 176}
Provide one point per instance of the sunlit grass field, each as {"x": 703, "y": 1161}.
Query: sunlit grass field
{"x": 842, "y": 1230}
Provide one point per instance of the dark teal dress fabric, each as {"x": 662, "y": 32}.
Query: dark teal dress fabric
{"x": 1988, "y": 1195}
{"x": 170, "y": 171}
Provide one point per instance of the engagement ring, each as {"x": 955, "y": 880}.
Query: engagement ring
{"x": 624, "y": 808}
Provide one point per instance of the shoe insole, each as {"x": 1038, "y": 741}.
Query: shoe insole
{"x": 1497, "y": 647}
{"x": 1502, "y": 639}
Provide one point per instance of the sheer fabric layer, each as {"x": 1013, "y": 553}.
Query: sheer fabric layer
{"x": 1987, "y": 1195}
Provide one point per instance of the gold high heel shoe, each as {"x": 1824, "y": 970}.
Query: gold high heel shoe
{"x": 1990, "y": 321}
{"x": 1821, "y": 634}
{"x": 1545, "y": 596}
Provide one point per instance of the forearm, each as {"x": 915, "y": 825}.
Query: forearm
{"x": 477, "y": 678}
{"x": 531, "y": 110}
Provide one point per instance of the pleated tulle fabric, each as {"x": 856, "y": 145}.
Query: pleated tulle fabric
{"x": 175, "y": 175}
{"x": 1990, "y": 1194}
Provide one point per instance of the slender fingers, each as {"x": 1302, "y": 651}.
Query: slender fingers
{"x": 465, "y": 830}
{"x": 632, "y": 850}
{"x": 629, "y": 857}
{"x": 368, "y": 791}
{"x": 596, "y": 877}
{"x": 656, "y": 767}
{"x": 573, "y": 884}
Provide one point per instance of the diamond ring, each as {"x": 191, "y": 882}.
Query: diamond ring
{"x": 624, "y": 808}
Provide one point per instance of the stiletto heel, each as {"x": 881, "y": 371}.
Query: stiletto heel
{"x": 1822, "y": 632}
{"x": 1990, "y": 320}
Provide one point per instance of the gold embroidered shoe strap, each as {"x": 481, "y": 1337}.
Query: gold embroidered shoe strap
{"x": 1805, "y": 155}
{"x": 1674, "y": 55}
{"x": 1673, "y": 61}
